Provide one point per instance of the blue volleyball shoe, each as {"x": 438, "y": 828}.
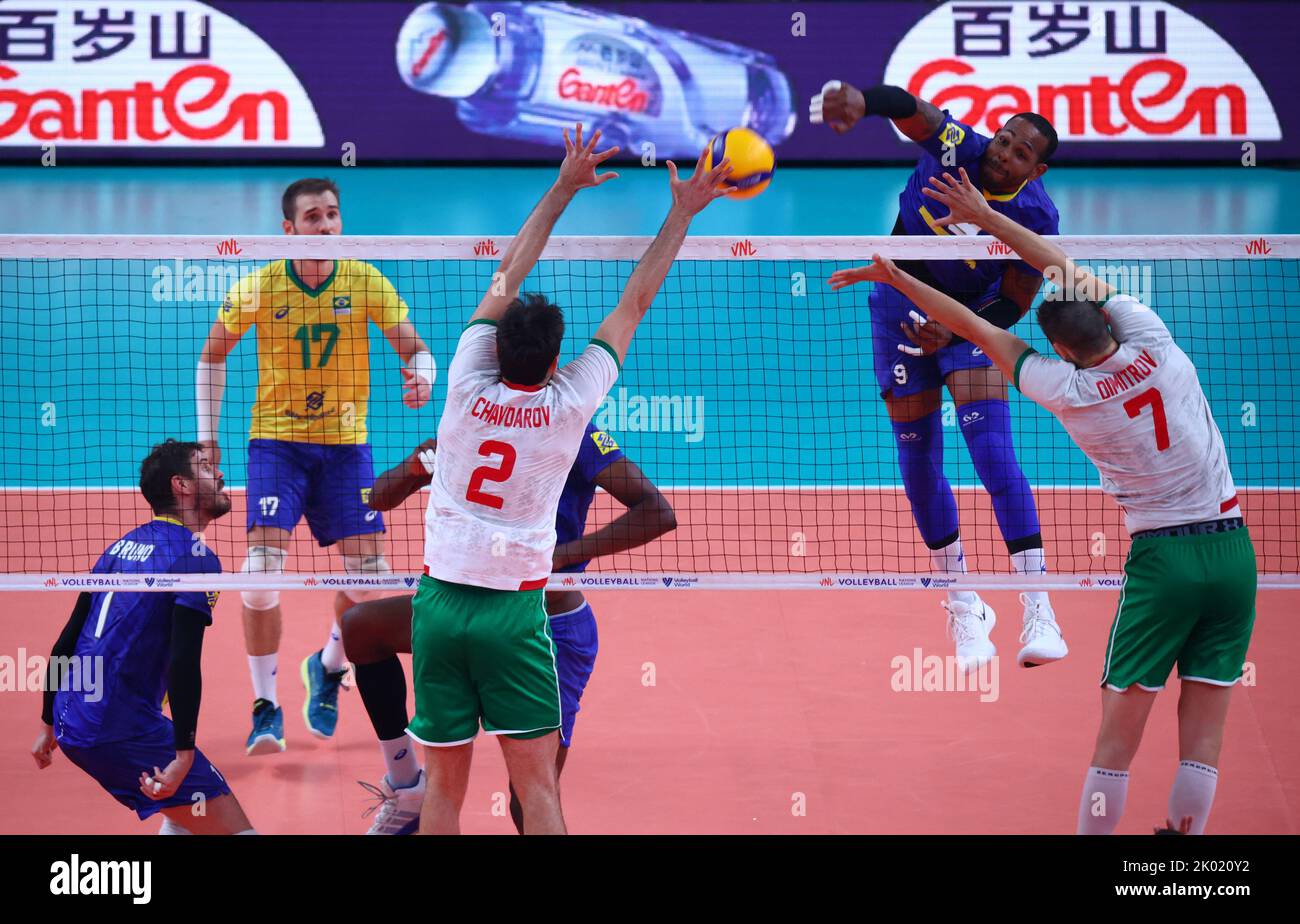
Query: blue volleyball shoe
{"x": 267, "y": 736}
{"x": 321, "y": 709}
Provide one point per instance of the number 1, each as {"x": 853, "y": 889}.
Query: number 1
{"x": 1151, "y": 396}
{"x": 103, "y": 613}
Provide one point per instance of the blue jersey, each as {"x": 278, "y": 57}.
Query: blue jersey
{"x": 972, "y": 282}
{"x": 131, "y": 632}
{"x": 597, "y": 453}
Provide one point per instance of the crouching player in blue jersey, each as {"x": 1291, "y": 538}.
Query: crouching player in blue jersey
{"x": 1007, "y": 169}
{"x": 375, "y": 631}
{"x": 147, "y": 645}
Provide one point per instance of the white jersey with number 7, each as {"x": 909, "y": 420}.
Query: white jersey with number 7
{"x": 1142, "y": 419}
{"x": 504, "y": 454}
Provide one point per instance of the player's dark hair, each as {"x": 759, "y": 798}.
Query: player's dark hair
{"x": 1045, "y": 128}
{"x": 528, "y": 339}
{"x": 168, "y": 459}
{"x": 306, "y": 187}
{"x": 1077, "y": 324}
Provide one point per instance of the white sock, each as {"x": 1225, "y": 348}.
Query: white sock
{"x": 1031, "y": 561}
{"x": 1192, "y": 794}
{"x": 171, "y": 827}
{"x": 1102, "y": 802}
{"x": 952, "y": 560}
{"x": 263, "y": 669}
{"x": 399, "y": 757}
{"x": 332, "y": 655}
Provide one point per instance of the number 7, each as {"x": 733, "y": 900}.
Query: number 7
{"x": 1151, "y": 396}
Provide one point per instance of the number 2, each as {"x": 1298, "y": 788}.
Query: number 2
{"x": 1133, "y": 406}
{"x": 499, "y": 472}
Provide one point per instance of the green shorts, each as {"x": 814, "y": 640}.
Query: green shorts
{"x": 481, "y": 655}
{"x": 1186, "y": 599}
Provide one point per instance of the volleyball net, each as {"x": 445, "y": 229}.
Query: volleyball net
{"x": 749, "y": 397}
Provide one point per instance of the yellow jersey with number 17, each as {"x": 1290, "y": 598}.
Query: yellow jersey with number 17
{"x": 313, "y": 348}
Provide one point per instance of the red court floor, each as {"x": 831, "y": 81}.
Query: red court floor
{"x": 761, "y": 703}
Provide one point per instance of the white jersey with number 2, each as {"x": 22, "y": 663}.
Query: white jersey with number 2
{"x": 504, "y": 454}
{"x": 1142, "y": 419}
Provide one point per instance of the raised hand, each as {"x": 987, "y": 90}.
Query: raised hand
{"x": 578, "y": 171}
{"x": 881, "y": 269}
{"x": 965, "y": 203}
{"x": 839, "y": 105}
{"x": 691, "y": 196}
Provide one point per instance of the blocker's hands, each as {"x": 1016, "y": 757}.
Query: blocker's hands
{"x": 578, "y": 171}
{"x": 966, "y": 204}
{"x": 692, "y": 195}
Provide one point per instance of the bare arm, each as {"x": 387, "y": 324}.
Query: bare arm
{"x": 689, "y": 198}
{"x": 966, "y": 204}
{"x": 405, "y": 341}
{"x": 402, "y": 480}
{"x": 647, "y": 517}
{"x": 1001, "y": 346}
{"x": 210, "y": 384}
{"x": 842, "y": 107}
{"x": 578, "y": 171}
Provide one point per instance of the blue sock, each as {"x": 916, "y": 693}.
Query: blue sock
{"x": 920, "y": 459}
{"x": 986, "y": 425}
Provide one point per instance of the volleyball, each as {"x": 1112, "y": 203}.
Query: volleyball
{"x": 752, "y": 161}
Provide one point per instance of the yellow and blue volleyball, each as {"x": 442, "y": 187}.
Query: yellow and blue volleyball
{"x": 752, "y": 161}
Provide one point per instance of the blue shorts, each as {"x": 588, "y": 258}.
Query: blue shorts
{"x": 576, "y": 643}
{"x": 117, "y": 766}
{"x": 900, "y": 372}
{"x": 329, "y": 484}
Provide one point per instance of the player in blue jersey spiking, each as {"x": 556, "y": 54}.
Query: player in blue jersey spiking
{"x": 1008, "y": 170}
{"x": 121, "y": 653}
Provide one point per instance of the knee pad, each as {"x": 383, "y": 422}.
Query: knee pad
{"x": 364, "y": 564}
{"x": 263, "y": 559}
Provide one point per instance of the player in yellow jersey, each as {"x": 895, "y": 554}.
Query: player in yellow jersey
{"x": 308, "y": 453}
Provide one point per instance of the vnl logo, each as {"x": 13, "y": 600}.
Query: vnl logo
{"x": 103, "y": 877}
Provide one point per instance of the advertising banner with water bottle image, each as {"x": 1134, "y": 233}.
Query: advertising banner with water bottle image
{"x": 487, "y": 82}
